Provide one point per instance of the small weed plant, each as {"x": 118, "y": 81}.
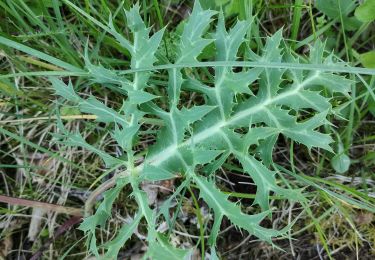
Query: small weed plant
{"x": 245, "y": 102}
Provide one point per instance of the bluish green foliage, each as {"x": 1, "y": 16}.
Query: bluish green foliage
{"x": 245, "y": 108}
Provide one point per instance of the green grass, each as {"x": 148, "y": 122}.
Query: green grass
{"x": 39, "y": 39}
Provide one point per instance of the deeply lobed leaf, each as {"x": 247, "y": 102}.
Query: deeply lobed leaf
{"x": 244, "y": 108}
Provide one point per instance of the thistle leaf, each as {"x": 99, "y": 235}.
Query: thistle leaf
{"x": 163, "y": 250}
{"x": 126, "y": 231}
{"x": 101, "y": 215}
{"x": 240, "y": 116}
{"x": 192, "y": 43}
{"x": 153, "y": 173}
{"x": 63, "y": 90}
{"x": 218, "y": 201}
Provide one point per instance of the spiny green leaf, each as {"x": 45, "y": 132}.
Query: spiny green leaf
{"x": 222, "y": 207}
{"x": 265, "y": 181}
{"x": 307, "y": 99}
{"x": 139, "y": 96}
{"x": 102, "y": 75}
{"x": 241, "y": 114}
{"x": 163, "y": 250}
{"x": 265, "y": 149}
{"x": 63, "y": 90}
{"x": 103, "y": 113}
{"x": 202, "y": 156}
{"x": 153, "y": 173}
{"x": 76, "y": 139}
{"x": 126, "y": 231}
{"x": 331, "y": 82}
{"x": 192, "y": 43}
{"x": 195, "y": 113}
{"x": 102, "y": 214}
{"x": 228, "y": 83}
{"x": 227, "y": 44}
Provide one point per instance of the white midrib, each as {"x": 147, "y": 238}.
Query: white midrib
{"x": 218, "y": 95}
{"x": 171, "y": 150}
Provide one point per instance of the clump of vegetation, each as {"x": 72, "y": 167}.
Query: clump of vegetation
{"x": 179, "y": 114}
